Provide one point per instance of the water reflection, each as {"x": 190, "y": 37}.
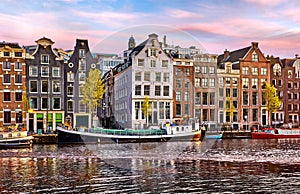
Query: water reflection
{"x": 210, "y": 166}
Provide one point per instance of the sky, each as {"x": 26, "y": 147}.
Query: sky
{"x": 213, "y": 25}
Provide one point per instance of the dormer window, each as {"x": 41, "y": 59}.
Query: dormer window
{"x": 45, "y": 59}
{"x": 81, "y": 53}
{"x": 254, "y": 57}
{"x": 152, "y": 52}
{"x": 277, "y": 70}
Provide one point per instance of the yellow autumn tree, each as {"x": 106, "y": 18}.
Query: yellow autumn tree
{"x": 271, "y": 100}
{"x": 93, "y": 90}
{"x": 147, "y": 108}
{"x": 25, "y": 106}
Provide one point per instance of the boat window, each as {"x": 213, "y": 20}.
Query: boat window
{"x": 177, "y": 128}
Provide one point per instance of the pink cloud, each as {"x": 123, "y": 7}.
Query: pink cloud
{"x": 265, "y": 2}
{"x": 182, "y": 14}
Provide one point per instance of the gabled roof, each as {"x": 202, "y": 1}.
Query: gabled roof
{"x": 288, "y": 62}
{"x": 138, "y": 48}
{"x": 234, "y": 55}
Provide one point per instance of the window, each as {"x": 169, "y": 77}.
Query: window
{"x": 178, "y": 109}
{"x": 158, "y": 76}
{"x": 221, "y": 81}
{"x": 45, "y": 71}
{"x": 33, "y": 103}
{"x": 197, "y": 69}
{"x": 245, "y": 70}
{"x": 152, "y": 52}
{"x": 70, "y": 106}
{"x": 7, "y": 117}
{"x": 212, "y": 82}
{"x": 44, "y": 59}
{"x": 18, "y": 54}
{"x": 164, "y": 63}
{"x": 254, "y": 71}
{"x": 56, "y": 71}
{"x": 157, "y": 90}
{"x": 290, "y": 96}
{"x": 254, "y": 98}
{"x": 6, "y": 54}
{"x": 178, "y": 72}
{"x": 81, "y": 53}
{"x": 235, "y": 92}
{"x": 187, "y": 72}
{"x": 146, "y": 90}
{"x": 168, "y": 110}
{"x": 263, "y": 83}
{"x": 245, "y": 98}
{"x": 221, "y": 104}
{"x": 18, "y": 66}
{"x": 138, "y": 90}
{"x": 211, "y": 98}
{"x": 228, "y": 69}
{"x": 254, "y": 57}
{"x": 81, "y": 77}
{"x": 254, "y": 83}
{"x": 6, "y": 79}
{"x": 6, "y": 96}
{"x": 70, "y": 77}
{"x": 6, "y": 65}
{"x": 187, "y": 83}
{"x": 56, "y": 103}
{"x": 56, "y": 87}
{"x": 221, "y": 92}
{"x": 166, "y": 91}
{"x": 204, "y": 70}
{"x": 33, "y": 71}
{"x": 197, "y": 98}
{"x": 204, "y": 98}
{"x": 204, "y": 82}
{"x": 245, "y": 83}
{"x": 82, "y": 106}
{"x": 204, "y": 115}
{"x": 19, "y": 117}
{"x": 44, "y": 86}
{"x": 178, "y": 83}
{"x": 290, "y": 74}
{"x": 186, "y": 96}
{"x": 186, "y": 109}
{"x": 33, "y": 86}
{"x": 146, "y": 76}
{"x": 234, "y": 80}
{"x": 80, "y": 90}
{"x": 166, "y": 77}
{"x": 138, "y": 76}
{"x": 245, "y": 114}
{"x": 18, "y": 79}
{"x": 70, "y": 90}
{"x": 82, "y": 65}
{"x": 141, "y": 62}
{"x": 211, "y": 70}
{"x": 228, "y": 94}
{"x": 227, "y": 80}
{"x": 264, "y": 71}
{"x": 152, "y": 63}
{"x": 18, "y": 96}
{"x": 197, "y": 82}
{"x": 45, "y": 103}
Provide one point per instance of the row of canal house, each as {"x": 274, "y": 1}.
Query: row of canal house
{"x": 191, "y": 85}
{"x": 179, "y": 83}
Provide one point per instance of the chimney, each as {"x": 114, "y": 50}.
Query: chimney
{"x": 254, "y": 44}
{"x": 226, "y": 54}
{"x": 296, "y": 56}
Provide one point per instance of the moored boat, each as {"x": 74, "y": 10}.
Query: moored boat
{"x": 271, "y": 133}
{"x": 17, "y": 139}
{"x": 184, "y": 132}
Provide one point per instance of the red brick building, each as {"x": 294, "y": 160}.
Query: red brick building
{"x": 254, "y": 72}
{"x": 12, "y": 83}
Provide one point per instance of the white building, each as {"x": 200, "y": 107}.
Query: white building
{"x": 148, "y": 71}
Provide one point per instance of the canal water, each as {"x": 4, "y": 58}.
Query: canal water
{"x": 211, "y": 166}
